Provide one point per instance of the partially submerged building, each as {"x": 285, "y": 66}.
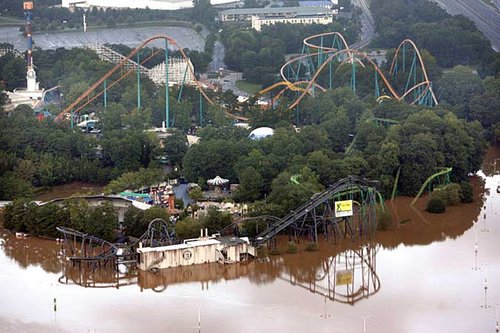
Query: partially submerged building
{"x": 200, "y": 250}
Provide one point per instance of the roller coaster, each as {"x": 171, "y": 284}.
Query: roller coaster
{"x": 317, "y": 69}
{"x": 318, "y": 213}
{"x": 323, "y": 56}
{"x": 94, "y": 91}
{"x": 82, "y": 248}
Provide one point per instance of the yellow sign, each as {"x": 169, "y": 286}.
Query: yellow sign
{"x": 28, "y": 5}
{"x": 344, "y": 277}
{"x": 343, "y": 208}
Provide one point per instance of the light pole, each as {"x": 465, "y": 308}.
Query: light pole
{"x": 364, "y": 322}
{"x": 485, "y": 306}
{"x": 325, "y": 315}
{"x": 475, "y": 250}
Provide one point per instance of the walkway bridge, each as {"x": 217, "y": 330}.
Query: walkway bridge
{"x": 319, "y": 212}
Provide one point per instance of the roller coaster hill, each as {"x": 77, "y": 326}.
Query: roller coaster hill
{"x": 326, "y": 62}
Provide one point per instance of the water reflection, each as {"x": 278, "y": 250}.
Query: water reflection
{"x": 348, "y": 277}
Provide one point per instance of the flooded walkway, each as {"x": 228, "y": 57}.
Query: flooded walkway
{"x": 423, "y": 276}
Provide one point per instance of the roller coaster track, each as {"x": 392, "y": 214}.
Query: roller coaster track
{"x": 316, "y": 57}
{"x": 13, "y": 51}
{"x": 322, "y": 201}
{"x": 428, "y": 180}
{"x": 74, "y": 106}
{"x": 82, "y": 247}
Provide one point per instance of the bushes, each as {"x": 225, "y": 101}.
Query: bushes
{"x": 24, "y": 216}
{"x": 450, "y": 194}
{"x": 467, "y": 193}
{"x": 436, "y": 206}
{"x": 384, "y": 219}
{"x": 291, "y": 247}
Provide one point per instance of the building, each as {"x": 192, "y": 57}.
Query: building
{"x": 195, "y": 251}
{"x": 318, "y": 3}
{"x": 267, "y": 16}
{"x": 142, "y": 4}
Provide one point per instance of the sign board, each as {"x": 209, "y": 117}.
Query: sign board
{"x": 344, "y": 277}
{"x": 28, "y": 5}
{"x": 343, "y": 208}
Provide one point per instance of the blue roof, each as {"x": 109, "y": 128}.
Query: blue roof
{"x": 315, "y": 3}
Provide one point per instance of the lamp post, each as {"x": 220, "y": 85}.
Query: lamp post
{"x": 364, "y": 322}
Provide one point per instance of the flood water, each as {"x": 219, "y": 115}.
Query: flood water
{"x": 422, "y": 276}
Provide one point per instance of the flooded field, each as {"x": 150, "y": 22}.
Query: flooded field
{"x": 422, "y": 276}
{"x": 66, "y": 190}
{"x": 132, "y": 37}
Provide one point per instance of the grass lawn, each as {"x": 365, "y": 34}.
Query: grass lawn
{"x": 248, "y": 87}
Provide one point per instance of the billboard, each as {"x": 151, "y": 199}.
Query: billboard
{"x": 343, "y": 208}
{"x": 344, "y": 277}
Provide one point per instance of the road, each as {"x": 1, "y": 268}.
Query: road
{"x": 217, "y": 57}
{"x": 367, "y": 24}
{"x": 487, "y": 18}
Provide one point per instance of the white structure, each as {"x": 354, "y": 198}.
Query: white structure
{"x": 258, "y": 22}
{"x": 178, "y": 68}
{"x": 260, "y": 133}
{"x": 201, "y": 250}
{"x": 151, "y": 4}
{"x": 178, "y": 72}
{"x": 268, "y": 16}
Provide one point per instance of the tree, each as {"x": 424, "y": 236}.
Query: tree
{"x": 251, "y": 185}
{"x": 215, "y": 220}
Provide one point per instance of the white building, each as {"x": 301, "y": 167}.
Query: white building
{"x": 151, "y": 4}
{"x": 258, "y": 22}
{"x": 196, "y": 251}
{"x": 267, "y": 16}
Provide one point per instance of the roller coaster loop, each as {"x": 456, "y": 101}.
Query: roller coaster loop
{"x": 317, "y": 55}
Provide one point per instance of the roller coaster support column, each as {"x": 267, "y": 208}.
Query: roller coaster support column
{"x": 138, "y": 82}
{"x": 167, "y": 109}
{"x": 201, "y": 111}
{"x": 71, "y": 119}
{"x": 353, "y": 77}
{"x": 105, "y": 83}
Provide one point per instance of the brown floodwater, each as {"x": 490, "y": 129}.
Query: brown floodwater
{"x": 423, "y": 275}
{"x": 66, "y": 190}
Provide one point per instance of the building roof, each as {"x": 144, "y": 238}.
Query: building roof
{"x": 277, "y": 10}
{"x": 318, "y": 3}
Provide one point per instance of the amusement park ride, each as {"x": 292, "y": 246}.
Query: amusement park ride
{"x": 315, "y": 70}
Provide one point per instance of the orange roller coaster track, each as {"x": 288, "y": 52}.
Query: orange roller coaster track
{"x": 77, "y": 105}
{"x": 316, "y": 56}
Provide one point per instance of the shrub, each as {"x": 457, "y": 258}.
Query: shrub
{"x": 467, "y": 193}
{"x": 311, "y": 247}
{"x": 436, "y": 206}
{"x": 291, "y": 247}
{"x": 450, "y": 194}
{"x": 384, "y": 219}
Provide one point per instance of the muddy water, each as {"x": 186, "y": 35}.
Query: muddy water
{"x": 422, "y": 276}
{"x": 66, "y": 190}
